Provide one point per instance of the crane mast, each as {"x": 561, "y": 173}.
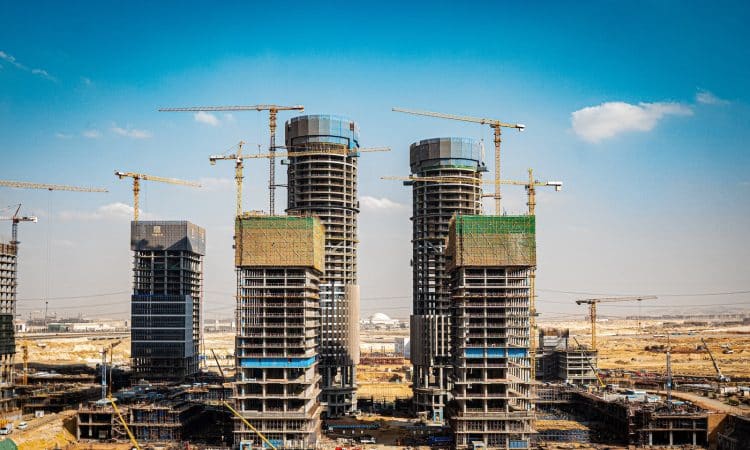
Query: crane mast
{"x": 592, "y": 302}
{"x": 273, "y": 111}
{"x": 137, "y": 177}
{"x": 496, "y": 126}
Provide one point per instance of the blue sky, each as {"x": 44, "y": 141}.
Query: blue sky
{"x": 641, "y": 108}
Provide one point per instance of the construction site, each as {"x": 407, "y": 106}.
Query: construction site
{"x": 295, "y": 368}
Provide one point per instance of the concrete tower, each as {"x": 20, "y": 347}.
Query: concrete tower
{"x": 279, "y": 260}
{"x": 166, "y": 303}
{"x": 8, "y": 265}
{"x": 433, "y": 206}
{"x": 324, "y": 183}
{"x": 489, "y": 259}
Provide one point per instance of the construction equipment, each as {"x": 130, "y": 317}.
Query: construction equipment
{"x": 272, "y": 112}
{"x": 16, "y": 219}
{"x": 247, "y": 424}
{"x": 592, "y": 302}
{"x": 591, "y": 365}
{"x": 124, "y": 424}
{"x": 496, "y": 126}
{"x": 111, "y": 364}
{"x": 48, "y": 187}
{"x": 221, "y": 371}
{"x": 719, "y": 376}
{"x": 320, "y": 151}
{"x": 530, "y": 185}
{"x": 669, "y": 373}
{"x": 238, "y": 171}
{"x": 25, "y": 349}
{"x": 137, "y": 177}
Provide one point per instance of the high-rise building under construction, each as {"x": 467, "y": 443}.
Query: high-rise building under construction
{"x": 279, "y": 260}
{"x": 8, "y": 283}
{"x": 434, "y": 203}
{"x": 489, "y": 260}
{"x": 166, "y": 301}
{"x": 322, "y": 180}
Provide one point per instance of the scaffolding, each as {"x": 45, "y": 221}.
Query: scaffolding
{"x": 274, "y": 241}
{"x": 433, "y": 206}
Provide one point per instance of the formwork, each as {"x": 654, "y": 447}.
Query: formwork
{"x": 8, "y": 286}
{"x": 561, "y": 431}
{"x": 166, "y": 301}
{"x": 278, "y": 325}
{"x": 433, "y": 205}
{"x": 322, "y": 180}
{"x": 492, "y": 399}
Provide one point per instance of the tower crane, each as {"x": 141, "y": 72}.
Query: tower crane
{"x": 719, "y": 376}
{"x": 496, "y": 126}
{"x": 530, "y": 185}
{"x": 137, "y": 177}
{"x": 592, "y": 302}
{"x": 273, "y": 110}
{"x": 15, "y": 218}
{"x": 238, "y": 171}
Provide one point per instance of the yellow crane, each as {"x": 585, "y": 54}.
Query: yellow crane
{"x": 124, "y": 423}
{"x": 137, "y": 177}
{"x": 496, "y": 126}
{"x": 530, "y": 185}
{"x": 48, "y": 187}
{"x": 16, "y": 219}
{"x": 592, "y": 302}
{"x": 237, "y": 157}
{"x": 273, "y": 111}
{"x": 247, "y": 424}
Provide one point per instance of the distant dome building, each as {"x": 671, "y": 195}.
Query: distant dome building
{"x": 382, "y": 319}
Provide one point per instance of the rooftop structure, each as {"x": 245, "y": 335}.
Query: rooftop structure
{"x": 166, "y": 301}
{"x": 279, "y": 261}
{"x": 433, "y": 206}
{"x": 8, "y": 284}
{"x": 325, "y": 184}
{"x": 490, "y": 259}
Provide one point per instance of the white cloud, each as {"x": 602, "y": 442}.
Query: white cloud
{"x": 379, "y": 204}
{"x": 91, "y": 134}
{"x": 207, "y": 118}
{"x": 229, "y": 117}
{"x": 596, "y": 123}
{"x": 132, "y": 133}
{"x": 216, "y": 184}
{"x": 63, "y": 135}
{"x": 39, "y": 72}
{"x": 709, "y": 98}
{"x": 86, "y": 81}
{"x": 111, "y": 211}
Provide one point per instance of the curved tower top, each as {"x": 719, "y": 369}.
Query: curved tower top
{"x": 446, "y": 152}
{"x": 323, "y": 128}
